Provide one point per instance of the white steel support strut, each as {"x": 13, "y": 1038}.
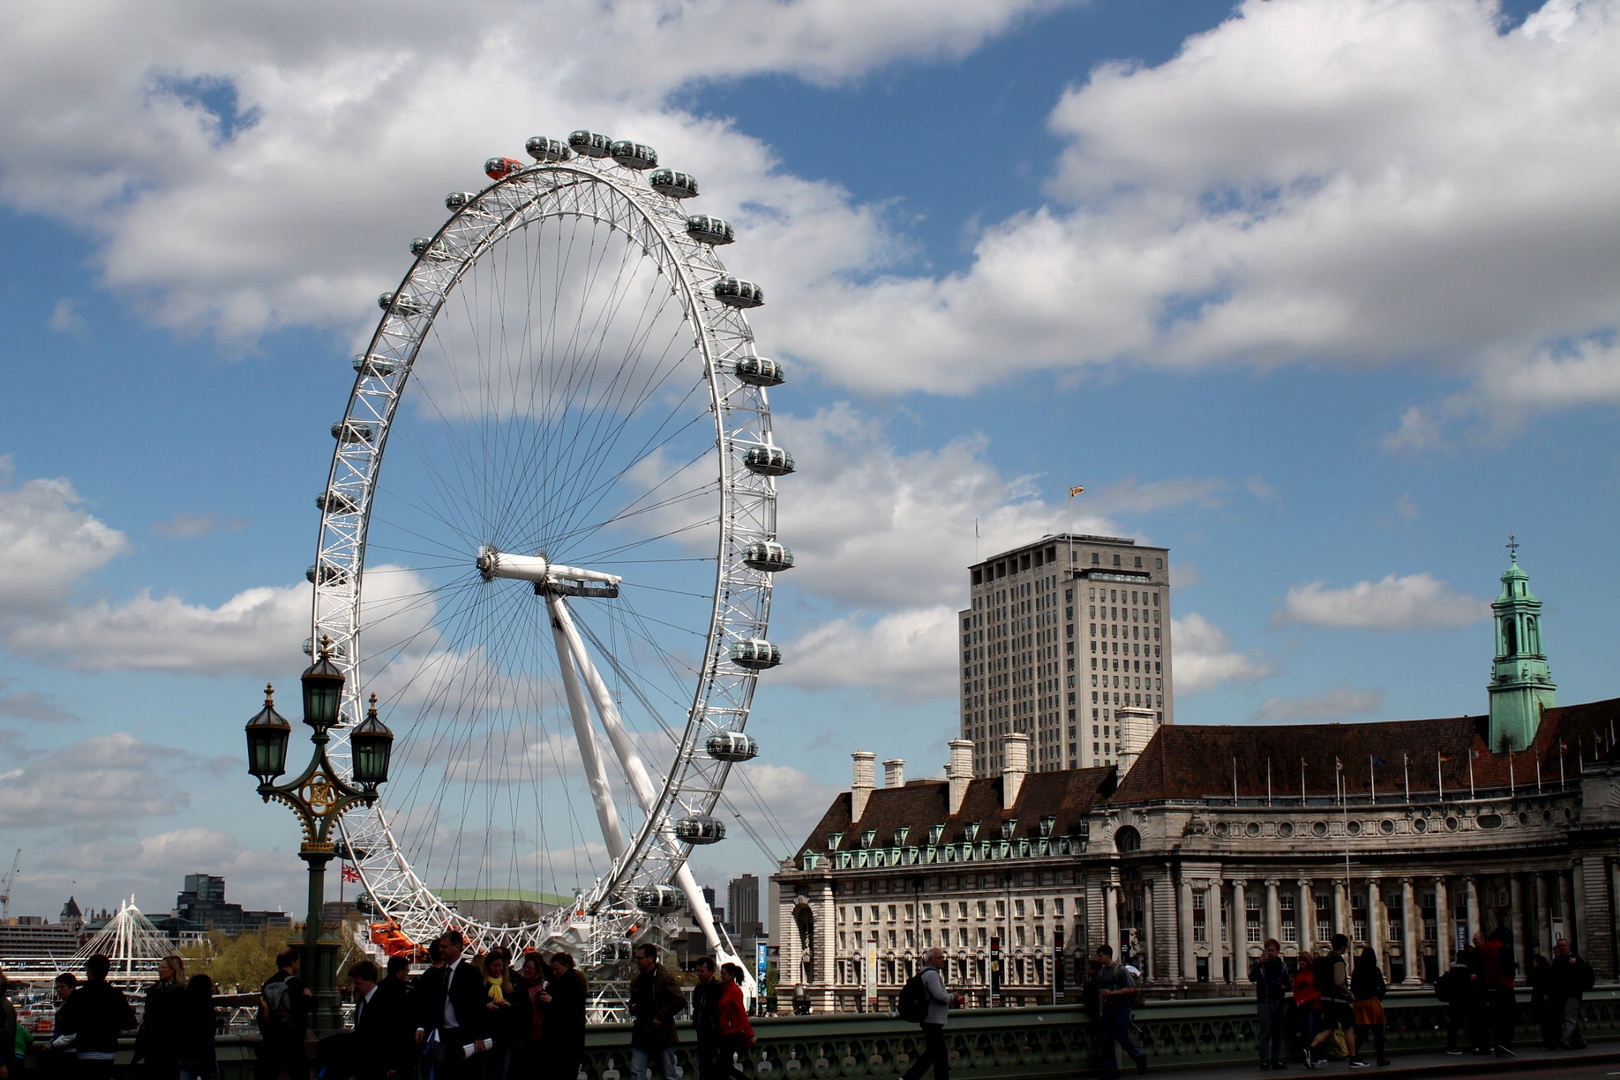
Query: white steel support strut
{"x": 607, "y": 815}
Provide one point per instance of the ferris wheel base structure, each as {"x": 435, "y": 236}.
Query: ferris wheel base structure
{"x": 569, "y": 569}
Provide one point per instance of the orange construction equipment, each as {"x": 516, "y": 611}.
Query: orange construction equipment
{"x": 393, "y": 941}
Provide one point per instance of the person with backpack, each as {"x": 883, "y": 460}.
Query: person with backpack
{"x": 1367, "y": 990}
{"x": 1116, "y": 989}
{"x": 1571, "y": 977}
{"x": 1271, "y": 984}
{"x": 101, "y": 1014}
{"x": 284, "y": 1007}
{"x": 1333, "y": 982}
{"x": 1455, "y": 989}
{"x": 706, "y": 1019}
{"x": 939, "y": 999}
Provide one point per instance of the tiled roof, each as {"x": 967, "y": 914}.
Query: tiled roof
{"x": 1066, "y": 795}
{"x": 1184, "y": 761}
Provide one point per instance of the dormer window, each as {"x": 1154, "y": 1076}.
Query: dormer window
{"x": 867, "y": 837}
{"x": 1008, "y": 827}
{"x": 900, "y": 835}
{"x": 971, "y": 830}
{"x": 1046, "y": 825}
{"x": 833, "y": 840}
{"x": 935, "y": 834}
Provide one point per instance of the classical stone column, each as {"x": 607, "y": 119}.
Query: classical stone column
{"x": 1577, "y": 877}
{"x": 1240, "y": 932}
{"x": 1148, "y": 971}
{"x": 1273, "y": 928}
{"x": 1543, "y": 916}
{"x": 1375, "y": 923}
{"x": 1473, "y": 908}
{"x": 1341, "y": 906}
{"x": 1445, "y": 926}
{"x": 1189, "y": 964}
{"x": 1215, "y": 921}
{"x": 1412, "y": 920}
{"x": 1111, "y": 916}
{"x": 1516, "y": 902}
{"x": 1305, "y": 916}
{"x": 1614, "y": 929}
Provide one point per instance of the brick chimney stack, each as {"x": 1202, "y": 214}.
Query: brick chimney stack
{"x": 1015, "y": 753}
{"x": 894, "y": 772}
{"x": 960, "y": 771}
{"x": 865, "y": 780}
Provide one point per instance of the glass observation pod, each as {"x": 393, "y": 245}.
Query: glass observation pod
{"x": 758, "y": 371}
{"x": 336, "y": 648}
{"x": 677, "y": 185}
{"x": 633, "y": 155}
{"x": 768, "y": 460}
{"x": 348, "y": 432}
{"x": 423, "y": 246}
{"x": 327, "y": 575}
{"x": 366, "y": 364}
{"x": 700, "y": 829}
{"x": 499, "y": 168}
{"x": 457, "y": 200}
{"x": 332, "y": 502}
{"x": 768, "y": 555}
{"x": 400, "y": 303}
{"x": 737, "y": 293}
{"x": 544, "y": 148}
{"x": 710, "y": 230}
{"x": 590, "y": 143}
{"x": 757, "y": 654}
{"x": 732, "y": 746}
{"x": 660, "y": 899}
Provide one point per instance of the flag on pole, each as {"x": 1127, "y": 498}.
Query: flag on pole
{"x": 350, "y": 874}
{"x": 1075, "y": 491}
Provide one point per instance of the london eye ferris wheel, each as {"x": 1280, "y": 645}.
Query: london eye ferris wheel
{"x": 558, "y": 588}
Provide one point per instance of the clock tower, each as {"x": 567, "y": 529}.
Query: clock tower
{"x": 1521, "y": 683}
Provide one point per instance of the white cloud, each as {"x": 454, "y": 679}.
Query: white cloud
{"x": 1413, "y": 602}
{"x": 911, "y": 652}
{"x": 1204, "y": 659}
{"x": 31, "y": 705}
{"x": 152, "y": 868}
{"x": 1336, "y": 703}
{"x": 105, "y": 782}
{"x": 47, "y": 544}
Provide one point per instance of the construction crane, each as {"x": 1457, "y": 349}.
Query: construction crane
{"x": 5, "y": 886}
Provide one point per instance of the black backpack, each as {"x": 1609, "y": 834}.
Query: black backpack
{"x": 913, "y": 1004}
{"x": 275, "y": 1007}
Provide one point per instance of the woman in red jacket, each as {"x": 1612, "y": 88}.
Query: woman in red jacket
{"x": 736, "y": 1033}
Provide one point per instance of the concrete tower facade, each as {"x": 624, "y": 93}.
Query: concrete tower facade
{"x": 1521, "y": 682}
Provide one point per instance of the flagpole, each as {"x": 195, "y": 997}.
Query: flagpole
{"x": 1562, "y": 750}
{"x": 1470, "y": 772}
{"x": 1372, "y": 780}
{"x": 1406, "y": 776}
{"x": 1538, "y": 770}
{"x": 1302, "y": 781}
{"x": 1344, "y": 804}
{"x": 1234, "y": 783}
{"x": 1512, "y": 787}
{"x": 1268, "y": 785}
{"x": 1439, "y": 778}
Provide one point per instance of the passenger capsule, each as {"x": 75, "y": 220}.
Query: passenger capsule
{"x": 660, "y": 899}
{"x": 633, "y": 155}
{"x": 700, "y": 829}
{"x": 400, "y": 303}
{"x": 326, "y": 574}
{"x": 755, "y": 653}
{"x": 768, "y": 555}
{"x": 590, "y": 143}
{"x": 737, "y": 293}
{"x": 732, "y": 746}
{"x": 543, "y": 148}
{"x": 710, "y": 230}
{"x": 457, "y": 200}
{"x": 677, "y": 185}
{"x": 347, "y": 431}
{"x": 499, "y": 168}
{"x": 336, "y": 648}
{"x": 424, "y": 246}
{"x": 768, "y": 460}
{"x": 758, "y": 371}
{"x": 333, "y": 502}
{"x": 367, "y": 364}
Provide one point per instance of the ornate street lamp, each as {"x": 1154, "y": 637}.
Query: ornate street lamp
{"x": 319, "y": 796}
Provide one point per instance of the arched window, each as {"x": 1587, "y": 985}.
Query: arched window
{"x": 1127, "y": 839}
{"x": 1510, "y": 637}
{"x": 1532, "y": 634}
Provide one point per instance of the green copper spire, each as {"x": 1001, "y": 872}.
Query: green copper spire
{"x": 1521, "y": 683}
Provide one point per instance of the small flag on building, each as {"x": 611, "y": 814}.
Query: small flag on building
{"x": 1075, "y": 491}
{"x": 350, "y": 874}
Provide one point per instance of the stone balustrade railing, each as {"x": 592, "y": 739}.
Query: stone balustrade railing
{"x": 1010, "y": 1044}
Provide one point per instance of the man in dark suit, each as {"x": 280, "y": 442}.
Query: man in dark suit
{"x": 452, "y": 999}
{"x": 382, "y": 1046}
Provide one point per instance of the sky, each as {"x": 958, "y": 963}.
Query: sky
{"x": 1322, "y": 295}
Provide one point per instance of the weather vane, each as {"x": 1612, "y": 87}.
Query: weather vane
{"x": 1513, "y": 547}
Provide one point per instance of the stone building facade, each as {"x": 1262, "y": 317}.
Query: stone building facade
{"x": 1407, "y": 836}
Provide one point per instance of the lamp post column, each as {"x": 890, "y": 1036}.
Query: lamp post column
{"x": 319, "y": 967}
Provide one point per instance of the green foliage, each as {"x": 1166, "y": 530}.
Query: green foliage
{"x": 516, "y": 913}
{"x": 238, "y": 964}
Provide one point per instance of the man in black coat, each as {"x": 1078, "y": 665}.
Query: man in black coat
{"x": 452, "y": 1004}
{"x": 706, "y": 1020}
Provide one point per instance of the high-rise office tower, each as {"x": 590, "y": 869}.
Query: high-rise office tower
{"x": 1059, "y": 639}
{"x": 742, "y": 898}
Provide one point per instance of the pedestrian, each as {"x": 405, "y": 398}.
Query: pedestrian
{"x": 1271, "y": 984}
{"x": 1454, "y": 989}
{"x": 1367, "y": 990}
{"x": 61, "y": 1053}
{"x": 284, "y": 1007}
{"x": 1571, "y": 978}
{"x": 1542, "y": 1009}
{"x": 379, "y": 1046}
{"x": 1116, "y": 989}
{"x": 530, "y": 1019}
{"x": 8, "y": 1029}
{"x": 392, "y": 1006}
{"x": 198, "y": 1024}
{"x": 1479, "y": 1025}
{"x": 706, "y": 1019}
{"x": 564, "y": 1001}
{"x": 502, "y": 1024}
{"x": 1497, "y": 970}
{"x": 102, "y": 1013}
{"x": 158, "y": 1039}
{"x": 655, "y": 1001}
{"x": 1333, "y": 982}
{"x": 1307, "y": 1003}
{"x": 451, "y": 1010}
{"x": 736, "y": 1033}
{"x": 940, "y": 999}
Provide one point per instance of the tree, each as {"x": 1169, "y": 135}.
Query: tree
{"x": 514, "y": 913}
{"x": 237, "y": 964}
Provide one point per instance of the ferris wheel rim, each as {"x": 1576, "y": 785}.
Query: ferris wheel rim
{"x": 657, "y": 240}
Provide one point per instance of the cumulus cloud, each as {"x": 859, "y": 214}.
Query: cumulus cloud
{"x": 150, "y": 868}
{"x": 1413, "y": 602}
{"x": 1339, "y": 702}
{"x": 31, "y": 705}
{"x": 910, "y": 653}
{"x": 48, "y": 543}
{"x": 106, "y": 782}
{"x": 1204, "y": 658}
